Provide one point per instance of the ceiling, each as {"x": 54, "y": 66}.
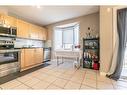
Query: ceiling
{"x": 45, "y": 15}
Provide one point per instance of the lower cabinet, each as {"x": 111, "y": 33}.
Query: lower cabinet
{"x": 22, "y": 60}
{"x": 39, "y": 55}
{"x": 31, "y": 57}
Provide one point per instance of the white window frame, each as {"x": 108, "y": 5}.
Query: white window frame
{"x": 63, "y": 46}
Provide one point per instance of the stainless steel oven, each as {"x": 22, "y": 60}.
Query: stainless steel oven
{"x": 8, "y": 31}
{"x": 9, "y": 58}
{"x": 9, "y": 61}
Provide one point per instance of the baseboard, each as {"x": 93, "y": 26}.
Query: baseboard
{"x": 103, "y": 73}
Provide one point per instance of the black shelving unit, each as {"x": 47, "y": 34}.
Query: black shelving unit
{"x": 91, "y": 53}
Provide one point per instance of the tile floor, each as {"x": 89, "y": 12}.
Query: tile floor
{"x": 64, "y": 77}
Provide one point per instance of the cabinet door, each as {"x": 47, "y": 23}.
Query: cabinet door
{"x": 22, "y": 60}
{"x": 39, "y": 55}
{"x": 33, "y": 32}
{"x": 10, "y": 21}
{"x": 44, "y": 34}
{"x": 40, "y": 34}
{"x": 23, "y": 29}
{"x": 29, "y": 57}
{"x": 1, "y": 19}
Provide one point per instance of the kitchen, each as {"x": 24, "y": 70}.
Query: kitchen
{"x": 56, "y": 47}
{"x": 21, "y": 45}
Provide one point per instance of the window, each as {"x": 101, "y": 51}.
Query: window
{"x": 66, "y": 38}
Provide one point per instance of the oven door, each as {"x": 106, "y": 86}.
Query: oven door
{"x": 8, "y": 57}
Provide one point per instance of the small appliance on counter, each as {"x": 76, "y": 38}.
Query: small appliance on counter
{"x": 9, "y": 58}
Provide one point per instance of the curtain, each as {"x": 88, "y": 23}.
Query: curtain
{"x": 119, "y": 51}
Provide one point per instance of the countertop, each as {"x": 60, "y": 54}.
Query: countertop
{"x": 30, "y": 47}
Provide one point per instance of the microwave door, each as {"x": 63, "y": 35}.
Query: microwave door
{"x": 4, "y": 31}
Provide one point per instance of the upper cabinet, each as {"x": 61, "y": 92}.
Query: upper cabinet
{"x": 1, "y": 19}
{"x": 44, "y": 34}
{"x": 33, "y": 31}
{"x": 23, "y": 29}
{"x": 38, "y": 32}
{"x": 10, "y": 21}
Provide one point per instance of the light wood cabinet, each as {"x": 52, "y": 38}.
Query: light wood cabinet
{"x": 38, "y": 55}
{"x": 10, "y": 21}
{"x": 23, "y": 29}
{"x": 22, "y": 60}
{"x": 31, "y": 57}
{"x": 40, "y": 33}
{"x": 33, "y": 31}
{"x": 44, "y": 34}
{"x": 1, "y": 19}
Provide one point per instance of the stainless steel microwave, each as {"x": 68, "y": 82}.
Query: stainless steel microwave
{"x": 5, "y": 31}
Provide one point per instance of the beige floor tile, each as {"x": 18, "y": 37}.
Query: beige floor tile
{"x": 65, "y": 76}
{"x": 72, "y": 85}
{"x": 24, "y": 78}
{"x": 79, "y": 73}
{"x": 53, "y": 73}
{"x": 103, "y": 85}
{"x": 50, "y": 79}
{"x": 10, "y": 84}
{"x": 57, "y": 74}
{"x": 60, "y": 82}
{"x": 91, "y": 83}
{"x": 90, "y": 71}
{"x": 32, "y": 82}
{"x": 50, "y": 67}
{"x": 44, "y": 70}
{"x": 59, "y": 70}
{"x": 78, "y": 76}
{"x": 91, "y": 77}
{"x": 35, "y": 73}
{"x": 70, "y": 72}
{"x": 50, "y": 72}
{"x": 53, "y": 87}
{"x": 41, "y": 85}
{"x": 43, "y": 76}
{"x": 84, "y": 87}
{"x": 103, "y": 79}
{"x": 76, "y": 79}
{"x": 21, "y": 87}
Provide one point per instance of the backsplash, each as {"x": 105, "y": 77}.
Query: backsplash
{"x": 28, "y": 43}
{"x": 6, "y": 38}
{"x": 19, "y": 42}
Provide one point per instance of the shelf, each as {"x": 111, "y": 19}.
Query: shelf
{"x": 91, "y": 39}
{"x": 90, "y": 51}
{"x": 91, "y": 48}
